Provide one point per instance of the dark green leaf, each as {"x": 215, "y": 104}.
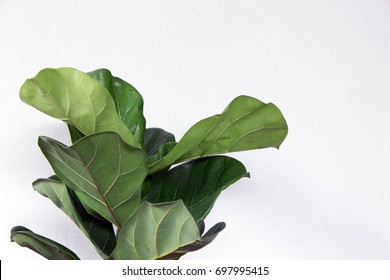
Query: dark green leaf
{"x": 76, "y": 98}
{"x": 101, "y": 233}
{"x": 201, "y": 227}
{"x": 154, "y": 138}
{"x": 105, "y": 172}
{"x": 128, "y": 101}
{"x": 75, "y": 134}
{"x": 158, "y": 143}
{"x": 150, "y": 181}
{"x": 155, "y": 231}
{"x": 206, "y": 239}
{"x": 45, "y": 247}
{"x": 162, "y": 152}
{"x": 246, "y": 124}
{"x": 198, "y": 183}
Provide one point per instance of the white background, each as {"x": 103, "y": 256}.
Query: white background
{"x": 326, "y": 64}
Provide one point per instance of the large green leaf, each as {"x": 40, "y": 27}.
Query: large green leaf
{"x": 76, "y": 98}
{"x": 41, "y": 245}
{"x": 100, "y": 232}
{"x": 246, "y": 124}
{"x": 155, "y": 231}
{"x": 105, "y": 172}
{"x": 206, "y": 239}
{"x": 128, "y": 101}
{"x": 198, "y": 183}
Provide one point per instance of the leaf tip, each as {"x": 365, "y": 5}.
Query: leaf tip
{"x": 42, "y": 138}
{"x": 15, "y": 230}
{"x": 221, "y": 226}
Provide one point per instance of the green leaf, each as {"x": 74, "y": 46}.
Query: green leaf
{"x": 45, "y": 247}
{"x": 128, "y": 102}
{"x": 206, "y": 239}
{"x": 104, "y": 171}
{"x": 162, "y": 152}
{"x": 198, "y": 183}
{"x": 246, "y": 124}
{"x": 76, "y": 98}
{"x": 150, "y": 181}
{"x": 158, "y": 143}
{"x": 101, "y": 233}
{"x": 155, "y": 231}
{"x": 154, "y": 138}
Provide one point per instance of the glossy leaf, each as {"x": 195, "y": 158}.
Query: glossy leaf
{"x": 104, "y": 171}
{"x": 155, "y": 231}
{"x": 206, "y": 239}
{"x": 154, "y": 138}
{"x": 44, "y": 246}
{"x": 76, "y": 98}
{"x": 198, "y": 183}
{"x": 101, "y": 233}
{"x": 246, "y": 124}
{"x": 128, "y": 102}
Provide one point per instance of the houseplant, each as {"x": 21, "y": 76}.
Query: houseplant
{"x": 137, "y": 193}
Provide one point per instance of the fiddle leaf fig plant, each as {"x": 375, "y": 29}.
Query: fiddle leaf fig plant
{"x": 136, "y": 192}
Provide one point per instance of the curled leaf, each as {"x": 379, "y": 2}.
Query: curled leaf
{"x": 246, "y": 124}
{"x": 74, "y": 97}
{"x": 206, "y": 239}
{"x": 44, "y": 246}
{"x": 100, "y": 232}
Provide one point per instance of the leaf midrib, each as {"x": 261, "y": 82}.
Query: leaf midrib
{"x": 100, "y": 192}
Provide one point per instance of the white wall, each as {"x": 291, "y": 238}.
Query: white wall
{"x": 324, "y": 195}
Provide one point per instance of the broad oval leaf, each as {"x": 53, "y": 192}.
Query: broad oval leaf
{"x": 128, "y": 101}
{"x": 100, "y": 232}
{"x": 206, "y": 239}
{"x": 74, "y": 97}
{"x": 105, "y": 172}
{"x": 155, "y": 231}
{"x": 44, "y": 246}
{"x": 246, "y": 124}
{"x": 198, "y": 183}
